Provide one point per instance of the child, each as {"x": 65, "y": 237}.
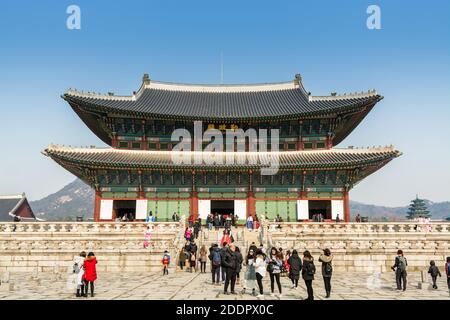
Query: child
{"x": 166, "y": 261}
{"x": 78, "y": 269}
{"x": 90, "y": 273}
{"x": 434, "y": 272}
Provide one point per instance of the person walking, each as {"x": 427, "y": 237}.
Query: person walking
{"x": 260, "y": 270}
{"x": 327, "y": 270}
{"x": 182, "y": 258}
{"x": 434, "y": 272}
{"x": 399, "y": 267}
{"x": 274, "y": 265}
{"x": 231, "y": 264}
{"x": 90, "y": 273}
{"x": 250, "y": 273}
{"x": 295, "y": 267}
{"x": 203, "y": 258}
{"x": 308, "y": 271}
{"x": 216, "y": 261}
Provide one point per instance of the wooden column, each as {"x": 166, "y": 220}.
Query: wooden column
{"x": 251, "y": 207}
{"x": 193, "y": 204}
{"x": 97, "y": 206}
{"x": 346, "y": 207}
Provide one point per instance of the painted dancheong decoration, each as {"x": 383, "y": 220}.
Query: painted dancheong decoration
{"x": 137, "y": 174}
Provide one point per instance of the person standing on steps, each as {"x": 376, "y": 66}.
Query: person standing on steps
{"x": 327, "y": 270}
{"x": 203, "y": 258}
{"x": 182, "y": 258}
{"x": 231, "y": 264}
{"x": 260, "y": 269}
{"x": 308, "y": 271}
{"x": 165, "y": 262}
{"x": 147, "y": 237}
{"x": 399, "y": 267}
{"x": 295, "y": 266}
{"x": 250, "y": 223}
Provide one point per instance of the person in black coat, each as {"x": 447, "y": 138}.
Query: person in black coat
{"x": 295, "y": 266}
{"x": 327, "y": 269}
{"x": 231, "y": 264}
{"x": 240, "y": 260}
{"x": 308, "y": 271}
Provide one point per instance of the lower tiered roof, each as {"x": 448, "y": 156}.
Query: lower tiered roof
{"x": 137, "y": 159}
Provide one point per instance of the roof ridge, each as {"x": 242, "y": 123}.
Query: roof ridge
{"x": 56, "y": 147}
{"x": 362, "y": 94}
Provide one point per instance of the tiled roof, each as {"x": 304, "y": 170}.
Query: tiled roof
{"x": 222, "y": 101}
{"x": 8, "y": 204}
{"x": 134, "y": 159}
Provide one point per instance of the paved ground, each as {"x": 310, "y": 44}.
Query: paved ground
{"x": 183, "y": 285}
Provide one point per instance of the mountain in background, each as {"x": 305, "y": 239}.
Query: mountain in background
{"x": 77, "y": 199}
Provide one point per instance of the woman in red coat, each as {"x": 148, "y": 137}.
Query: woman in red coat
{"x": 90, "y": 272}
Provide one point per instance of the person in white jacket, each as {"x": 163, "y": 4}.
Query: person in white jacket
{"x": 260, "y": 269}
{"x": 78, "y": 270}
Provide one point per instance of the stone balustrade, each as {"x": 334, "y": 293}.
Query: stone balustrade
{"x": 50, "y": 246}
{"x": 31, "y": 228}
{"x": 365, "y": 246}
{"x": 366, "y": 228}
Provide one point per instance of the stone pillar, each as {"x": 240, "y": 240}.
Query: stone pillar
{"x": 97, "y": 206}
{"x": 251, "y": 207}
{"x": 346, "y": 207}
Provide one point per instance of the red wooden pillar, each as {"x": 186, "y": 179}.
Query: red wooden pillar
{"x": 193, "y": 204}
{"x": 114, "y": 142}
{"x": 97, "y": 206}
{"x": 251, "y": 208}
{"x": 346, "y": 207}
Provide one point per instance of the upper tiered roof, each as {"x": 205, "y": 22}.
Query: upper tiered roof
{"x": 208, "y": 102}
{"x": 137, "y": 159}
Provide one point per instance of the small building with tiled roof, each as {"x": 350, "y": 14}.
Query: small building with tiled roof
{"x": 145, "y": 170}
{"x": 15, "y": 208}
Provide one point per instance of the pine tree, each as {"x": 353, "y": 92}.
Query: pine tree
{"x": 418, "y": 209}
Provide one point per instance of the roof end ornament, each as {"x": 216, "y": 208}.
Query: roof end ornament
{"x": 146, "y": 79}
{"x": 298, "y": 79}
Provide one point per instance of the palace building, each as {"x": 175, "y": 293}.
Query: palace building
{"x": 137, "y": 174}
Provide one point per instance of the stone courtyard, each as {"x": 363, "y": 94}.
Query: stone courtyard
{"x": 196, "y": 286}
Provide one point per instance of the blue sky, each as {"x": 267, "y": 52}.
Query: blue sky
{"x": 407, "y": 61}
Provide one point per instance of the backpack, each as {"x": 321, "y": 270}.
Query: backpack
{"x": 401, "y": 263}
{"x": 328, "y": 268}
{"x": 165, "y": 260}
{"x": 310, "y": 269}
{"x": 76, "y": 268}
{"x": 216, "y": 260}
